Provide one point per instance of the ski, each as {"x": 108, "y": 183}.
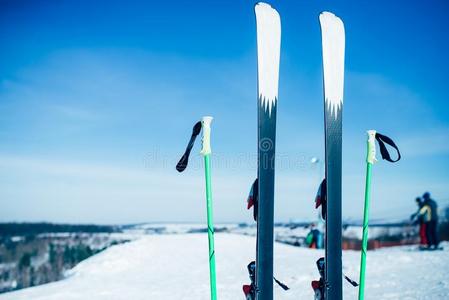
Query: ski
{"x": 333, "y": 43}
{"x": 268, "y": 55}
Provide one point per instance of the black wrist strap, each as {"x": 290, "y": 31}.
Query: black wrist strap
{"x": 182, "y": 164}
{"x": 382, "y": 140}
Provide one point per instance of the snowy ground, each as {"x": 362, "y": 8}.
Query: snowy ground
{"x": 175, "y": 267}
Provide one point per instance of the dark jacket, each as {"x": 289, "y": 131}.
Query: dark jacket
{"x": 433, "y": 209}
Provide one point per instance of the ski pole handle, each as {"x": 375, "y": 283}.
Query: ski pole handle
{"x": 205, "y": 122}
{"x": 371, "y": 153}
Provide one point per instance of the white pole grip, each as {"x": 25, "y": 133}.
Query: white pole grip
{"x": 371, "y": 153}
{"x": 205, "y": 122}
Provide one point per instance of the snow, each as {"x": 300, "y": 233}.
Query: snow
{"x": 175, "y": 266}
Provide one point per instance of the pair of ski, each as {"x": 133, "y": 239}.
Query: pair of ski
{"x": 268, "y": 49}
{"x": 262, "y": 191}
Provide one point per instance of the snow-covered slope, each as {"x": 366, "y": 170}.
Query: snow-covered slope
{"x": 175, "y": 267}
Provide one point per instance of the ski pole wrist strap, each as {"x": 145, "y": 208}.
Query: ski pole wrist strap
{"x": 382, "y": 140}
{"x": 182, "y": 164}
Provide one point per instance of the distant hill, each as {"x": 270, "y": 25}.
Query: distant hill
{"x": 24, "y": 229}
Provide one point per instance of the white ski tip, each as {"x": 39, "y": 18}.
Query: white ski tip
{"x": 333, "y": 40}
{"x": 268, "y": 49}
{"x": 265, "y": 7}
{"x": 329, "y": 17}
{"x": 330, "y": 21}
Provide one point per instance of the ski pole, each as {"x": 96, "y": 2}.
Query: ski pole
{"x": 370, "y": 160}
{"x": 206, "y": 151}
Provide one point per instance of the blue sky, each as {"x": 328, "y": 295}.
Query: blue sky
{"x": 97, "y": 102}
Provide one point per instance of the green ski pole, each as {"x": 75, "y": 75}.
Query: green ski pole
{"x": 206, "y": 151}
{"x": 370, "y": 159}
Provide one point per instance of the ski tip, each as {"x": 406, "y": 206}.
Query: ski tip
{"x": 266, "y": 9}
{"x": 327, "y": 17}
{"x": 327, "y": 14}
{"x": 263, "y": 5}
